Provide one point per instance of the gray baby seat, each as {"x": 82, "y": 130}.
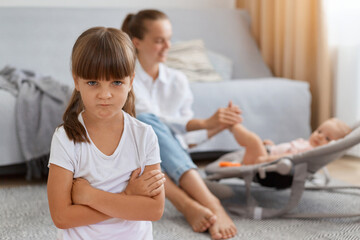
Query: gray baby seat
{"x": 287, "y": 172}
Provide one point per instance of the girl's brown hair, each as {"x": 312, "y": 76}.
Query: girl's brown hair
{"x": 134, "y": 24}
{"x": 99, "y": 53}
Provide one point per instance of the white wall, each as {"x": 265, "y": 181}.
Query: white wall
{"x": 347, "y": 83}
{"x": 347, "y": 87}
{"x": 344, "y": 38}
{"x": 121, "y": 3}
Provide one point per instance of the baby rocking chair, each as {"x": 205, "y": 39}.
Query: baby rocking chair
{"x": 287, "y": 172}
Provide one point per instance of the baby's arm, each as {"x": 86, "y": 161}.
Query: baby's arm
{"x": 63, "y": 213}
{"x": 129, "y": 207}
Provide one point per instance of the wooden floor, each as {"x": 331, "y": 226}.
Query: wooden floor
{"x": 346, "y": 169}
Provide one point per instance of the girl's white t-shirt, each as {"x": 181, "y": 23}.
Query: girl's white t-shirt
{"x": 138, "y": 147}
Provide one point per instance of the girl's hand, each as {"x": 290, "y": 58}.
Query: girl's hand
{"x": 149, "y": 184}
{"x": 80, "y": 191}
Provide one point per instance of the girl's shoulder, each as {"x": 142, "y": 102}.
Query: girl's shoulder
{"x": 137, "y": 127}
{"x": 60, "y": 132}
{"x": 132, "y": 122}
{"x": 61, "y": 137}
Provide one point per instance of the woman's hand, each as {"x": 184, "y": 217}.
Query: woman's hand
{"x": 234, "y": 108}
{"x": 213, "y": 131}
{"x": 224, "y": 117}
{"x": 149, "y": 184}
{"x": 80, "y": 192}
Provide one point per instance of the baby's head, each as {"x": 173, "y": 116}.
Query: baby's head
{"x": 331, "y": 129}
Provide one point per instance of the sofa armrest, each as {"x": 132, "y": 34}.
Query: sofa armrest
{"x": 9, "y": 143}
{"x": 274, "y": 108}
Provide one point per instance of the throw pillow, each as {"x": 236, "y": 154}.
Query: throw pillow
{"x": 222, "y": 64}
{"x": 191, "y": 58}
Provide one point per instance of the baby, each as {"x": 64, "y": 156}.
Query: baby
{"x": 258, "y": 151}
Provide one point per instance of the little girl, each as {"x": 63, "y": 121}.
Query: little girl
{"x": 104, "y": 148}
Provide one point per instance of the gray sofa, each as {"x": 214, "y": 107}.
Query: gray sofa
{"x": 40, "y": 39}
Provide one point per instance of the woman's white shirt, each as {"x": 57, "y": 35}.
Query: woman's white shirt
{"x": 138, "y": 147}
{"x": 169, "y": 97}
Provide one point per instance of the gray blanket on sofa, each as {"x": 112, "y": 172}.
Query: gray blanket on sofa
{"x": 40, "y": 103}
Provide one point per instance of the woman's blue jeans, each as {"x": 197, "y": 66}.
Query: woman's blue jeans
{"x": 175, "y": 160}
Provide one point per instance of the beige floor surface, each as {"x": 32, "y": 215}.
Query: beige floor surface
{"x": 346, "y": 169}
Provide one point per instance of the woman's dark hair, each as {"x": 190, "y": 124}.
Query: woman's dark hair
{"x": 99, "y": 53}
{"x": 134, "y": 24}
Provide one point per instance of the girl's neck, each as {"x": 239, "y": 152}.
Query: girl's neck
{"x": 150, "y": 68}
{"x": 92, "y": 121}
{"x": 105, "y": 134}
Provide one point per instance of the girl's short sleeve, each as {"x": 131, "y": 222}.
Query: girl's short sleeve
{"x": 152, "y": 148}
{"x": 62, "y": 151}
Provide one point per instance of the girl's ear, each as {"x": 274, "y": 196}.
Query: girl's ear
{"x": 131, "y": 80}
{"x": 76, "y": 82}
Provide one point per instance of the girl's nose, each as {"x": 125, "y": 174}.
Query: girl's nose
{"x": 104, "y": 93}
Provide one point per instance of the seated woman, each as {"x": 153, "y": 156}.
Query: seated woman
{"x": 258, "y": 151}
{"x": 163, "y": 100}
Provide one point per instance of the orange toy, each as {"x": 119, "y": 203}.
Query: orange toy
{"x": 229, "y": 164}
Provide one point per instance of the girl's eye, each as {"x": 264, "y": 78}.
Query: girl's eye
{"x": 328, "y": 139}
{"x": 117, "y": 83}
{"x": 91, "y": 83}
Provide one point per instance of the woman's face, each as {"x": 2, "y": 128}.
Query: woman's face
{"x": 154, "y": 46}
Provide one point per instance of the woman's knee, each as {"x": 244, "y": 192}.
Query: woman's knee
{"x": 160, "y": 128}
{"x": 147, "y": 117}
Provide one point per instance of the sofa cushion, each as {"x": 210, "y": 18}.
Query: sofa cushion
{"x": 191, "y": 58}
{"x": 221, "y": 64}
{"x": 274, "y": 108}
{"x": 226, "y": 31}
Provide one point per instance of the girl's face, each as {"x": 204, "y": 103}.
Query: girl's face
{"x": 154, "y": 46}
{"x": 104, "y": 99}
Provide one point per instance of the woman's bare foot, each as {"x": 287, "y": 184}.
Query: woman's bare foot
{"x": 199, "y": 217}
{"x": 224, "y": 227}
